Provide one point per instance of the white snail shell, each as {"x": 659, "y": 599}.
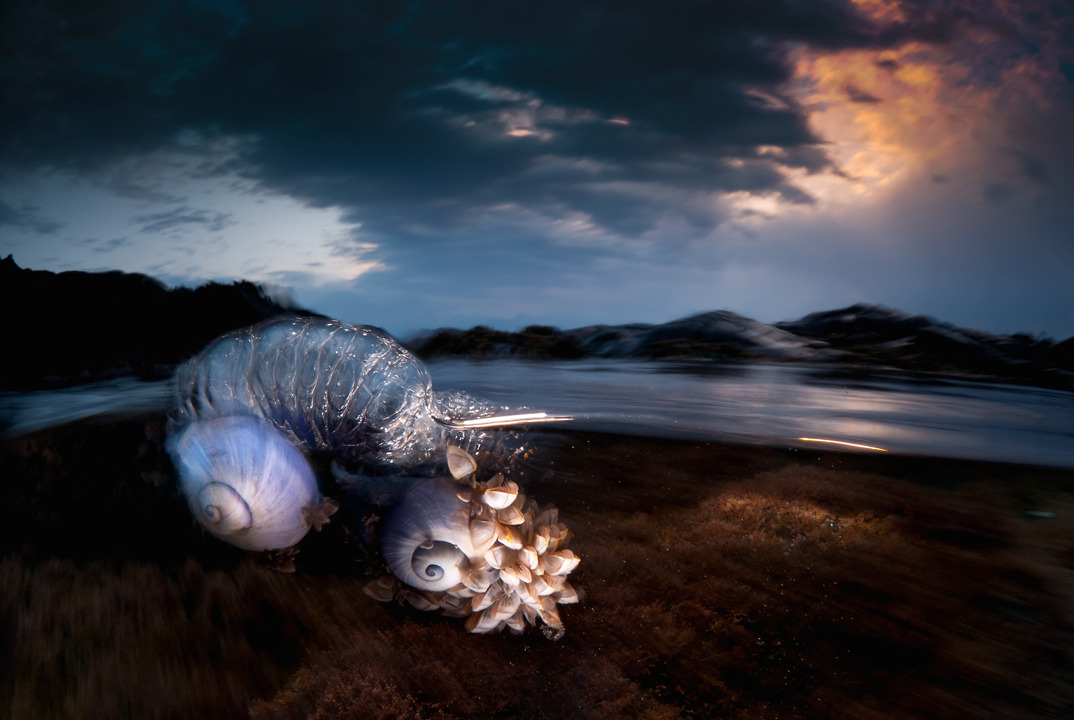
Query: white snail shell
{"x": 245, "y": 482}
{"x": 426, "y": 537}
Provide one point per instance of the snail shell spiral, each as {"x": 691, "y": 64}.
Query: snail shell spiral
{"x": 434, "y": 560}
{"x": 223, "y": 509}
{"x": 426, "y": 538}
{"x": 245, "y": 482}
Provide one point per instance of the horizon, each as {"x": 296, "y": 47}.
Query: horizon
{"x": 416, "y": 166}
{"x": 419, "y": 333}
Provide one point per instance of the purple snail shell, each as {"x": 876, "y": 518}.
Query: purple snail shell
{"x": 245, "y": 482}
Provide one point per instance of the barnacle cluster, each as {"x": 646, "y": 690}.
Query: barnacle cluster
{"x": 478, "y": 549}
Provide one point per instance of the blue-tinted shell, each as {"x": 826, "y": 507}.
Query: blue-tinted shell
{"x": 245, "y": 482}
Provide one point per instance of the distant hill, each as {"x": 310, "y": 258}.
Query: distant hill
{"x": 869, "y": 337}
{"x": 72, "y": 327}
{"x": 875, "y": 335}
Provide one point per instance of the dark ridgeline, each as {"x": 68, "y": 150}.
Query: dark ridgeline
{"x": 873, "y": 333}
{"x": 536, "y": 342}
{"x": 860, "y": 337}
{"x": 73, "y": 327}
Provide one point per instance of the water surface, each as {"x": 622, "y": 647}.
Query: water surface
{"x": 775, "y": 405}
{"x": 779, "y": 404}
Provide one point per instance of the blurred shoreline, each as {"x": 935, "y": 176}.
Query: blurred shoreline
{"x": 79, "y": 327}
{"x": 754, "y": 404}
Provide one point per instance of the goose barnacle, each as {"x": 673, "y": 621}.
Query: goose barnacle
{"x": 461, "y": 546}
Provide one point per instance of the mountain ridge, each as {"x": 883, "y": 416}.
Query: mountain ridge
{"x": 76, "y": 327}
{"x": 862, "y": 336}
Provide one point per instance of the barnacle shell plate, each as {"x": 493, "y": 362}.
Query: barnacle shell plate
{"x": 479, "y": 550}
{"x": 245, "y": 482}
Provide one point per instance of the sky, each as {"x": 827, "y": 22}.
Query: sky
{"x": 417, "y": 165}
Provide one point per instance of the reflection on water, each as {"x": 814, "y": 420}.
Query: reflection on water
{"x": 26, "y": 412}
{"x": 778, "y": 405}
{"x": 761, "y": 404}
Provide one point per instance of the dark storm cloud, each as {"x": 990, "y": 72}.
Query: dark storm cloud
{"x": 184, "y": 217}
{"x": 1033, "y": 167}
{"x": 26, "y": 217}
{"x": 402, "y": 113}
{"x": 858, "y": 95}
{"x": 107, "y": 246}
{"x": 112, "y": 245}
{"x": 996, "y": 193}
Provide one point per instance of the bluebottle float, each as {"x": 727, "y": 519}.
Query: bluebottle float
{"x": 255, "y": 401}
{"x": 343, "y": 389}
{"x": 348, "y": 390}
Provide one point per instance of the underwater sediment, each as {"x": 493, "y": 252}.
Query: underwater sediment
{"x": 719, "y": 581}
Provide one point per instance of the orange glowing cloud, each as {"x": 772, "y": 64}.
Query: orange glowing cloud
{"x": 881, "y": 10}
{"x": 887, "y": 115}
{"x": 896, "y": 115}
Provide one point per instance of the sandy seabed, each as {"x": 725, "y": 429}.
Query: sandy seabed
{"x": 719, "y": 582}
